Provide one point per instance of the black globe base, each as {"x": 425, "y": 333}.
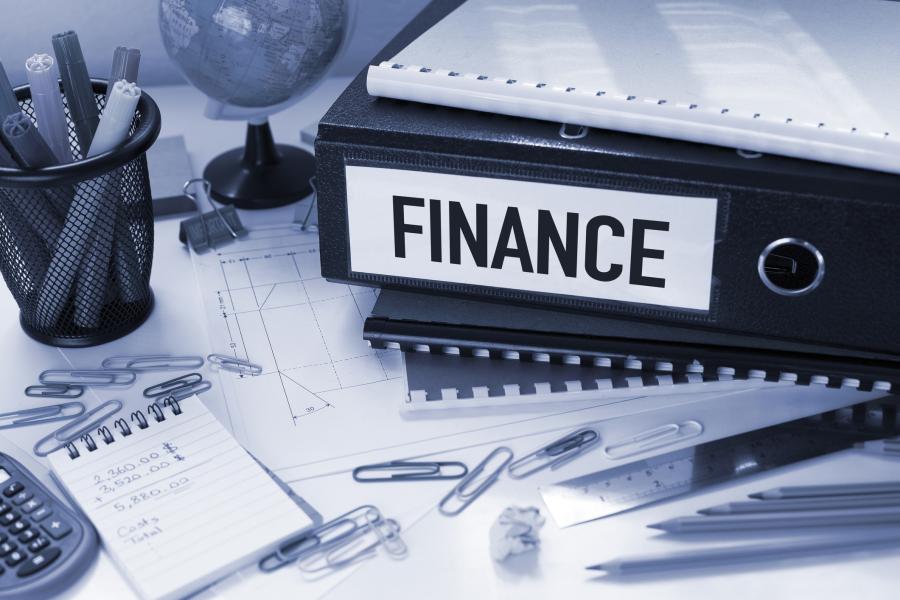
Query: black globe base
{"x": 262, "y": 174}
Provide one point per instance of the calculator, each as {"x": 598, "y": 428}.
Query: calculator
{"x": 44, "y": 545}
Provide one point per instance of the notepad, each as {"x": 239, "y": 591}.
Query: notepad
{"x": 177, "y": 501}
{"x": 802, "y": 78}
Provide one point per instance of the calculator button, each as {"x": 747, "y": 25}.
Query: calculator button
{"x": 6, "y": 548}
{"x": 9, "y": 518}
{"x": 39, "y": 544}
{"x": 12, "y": 489}
{"x": 18, "y": 527}
{"x": 41, "y": 514}
{"x": 27, "y": 536}
{"x": 57, "y": 528}
{"x": 31, "y": 505}
{"x": 4, "y": 507}
{"x": 21, "y": 497}
{"x": 38, "y": 562}
{"x": 15, "y": 557}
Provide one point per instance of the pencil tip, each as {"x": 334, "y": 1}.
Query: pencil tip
{"x": 657, "y": 526}
{"x": 705, "y": 511}
{"x": 757, "y": 495}
{"x": 595, "y": 568}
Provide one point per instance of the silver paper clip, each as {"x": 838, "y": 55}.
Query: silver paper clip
{"x": 462, "y": 493}
{"x": 166, "y": 388}
{"x": 404, "y": 470}
{"x": 234, "y": 364}
{"x": 362, "y": 544}
{"x": 327, "y": 535}
{"x": 77, "y": 427}
{"x": 54, "y": 390}
{"x": 390, "y": 540}
{"x": 555, "y": 454}
{"x": 89, "y": 377}
{"x": 653, "y": 439}
{"x": 152, "y": 362}
{"x": 41, "y": 415}
{"x": 185, "y": 392}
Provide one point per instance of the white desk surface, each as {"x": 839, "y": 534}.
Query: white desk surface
{"x": 448, "y": 557}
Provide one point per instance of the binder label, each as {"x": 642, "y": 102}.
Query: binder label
{"x": 537, "y": 237}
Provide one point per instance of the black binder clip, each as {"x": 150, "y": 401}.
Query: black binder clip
{"x": 210, "y": 229}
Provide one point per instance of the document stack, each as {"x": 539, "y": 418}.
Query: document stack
{"x": 664, "y": 260}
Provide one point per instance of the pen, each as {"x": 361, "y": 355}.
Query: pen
{"x": 742, "y": 554}
{"x": 25, "y": 144}
{"x": 818, "y": 503}
{"x": 125, "y": 65}
{"x": 841, "y": 489}
{"x": 788, "y": 520}
{"x": 48, "y": 107}
{"x": 77, "y": 85}
{"x": 8, "y": 102}
{"x": 93, "y": 280}
{"x": 6, "y": 159}
{"x": 117, "y": 118}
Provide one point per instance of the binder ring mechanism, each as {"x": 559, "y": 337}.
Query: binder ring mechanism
{"x": 791, "y": 267}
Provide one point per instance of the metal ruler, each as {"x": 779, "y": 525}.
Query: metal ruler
{"x": 676, "y": 473}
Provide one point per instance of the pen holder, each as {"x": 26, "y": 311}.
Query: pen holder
{"x": 76, "y": 240}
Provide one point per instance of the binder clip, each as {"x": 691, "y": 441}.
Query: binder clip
{"x": 210, "y": 229}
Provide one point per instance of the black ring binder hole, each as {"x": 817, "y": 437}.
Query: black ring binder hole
{"x": 791, "y": 267}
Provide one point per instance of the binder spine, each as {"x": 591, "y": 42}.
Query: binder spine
{"x": 139, "y": 420}
{"x": 683, "y": 363}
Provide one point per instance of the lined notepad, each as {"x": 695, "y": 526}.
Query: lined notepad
{"x": 802, "y": 78}
{"x": 177, "y": 501}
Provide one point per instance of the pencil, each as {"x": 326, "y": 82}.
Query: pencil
{"x": 803, "y": 504}
{"x": 841, "y": 489}
{"x": 737, "y": 555}
{"x": 786, "y": 520}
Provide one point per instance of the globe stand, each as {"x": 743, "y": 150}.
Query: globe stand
{"x": 262, "y": 174}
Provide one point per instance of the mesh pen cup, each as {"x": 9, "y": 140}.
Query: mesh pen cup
{"x": 76, "y": 240}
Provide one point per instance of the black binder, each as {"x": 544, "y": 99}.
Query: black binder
{"x": 439, "y": 325}
{"x": 804, "y": 252}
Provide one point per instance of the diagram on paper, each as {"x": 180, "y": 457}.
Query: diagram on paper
{"x": 270, "y": 305}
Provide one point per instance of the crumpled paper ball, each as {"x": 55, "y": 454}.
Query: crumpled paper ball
{"x": 515, "y": 531}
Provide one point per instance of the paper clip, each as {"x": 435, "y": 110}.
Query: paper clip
{"x": 152, "y": 362}
{"x": 54, "y": 390}
{"x": 461, "y": 492}
{"x": 186, "y": 392}
{"x": 390, "y": 540}
{"x": 166, "y": 388}
{"x": 653, "y": 439}
{"x": 89, "y": 377}
{"x": 334, "y": 532}
{"x": 41, "y": 415}
{"x": 84, "y": 423}
{"x": 402, "y": 470}
{"x": 361, "y": 544}
{"x": 555, "y": 454}
{"x": 234, "y": 364}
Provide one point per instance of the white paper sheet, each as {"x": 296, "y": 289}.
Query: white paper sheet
{"x": 325, "y": 401}
{"x": 803, "y": 78}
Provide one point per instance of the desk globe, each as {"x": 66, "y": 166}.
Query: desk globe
{"x": 253, "y": 58}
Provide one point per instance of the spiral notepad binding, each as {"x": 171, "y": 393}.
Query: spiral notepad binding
{"x": 139, "y": 420}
